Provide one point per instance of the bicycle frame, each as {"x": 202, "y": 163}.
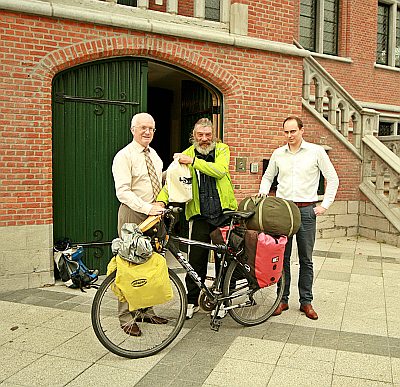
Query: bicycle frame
{"x": 216, "y": 295}
{"x": 219, "y": 249}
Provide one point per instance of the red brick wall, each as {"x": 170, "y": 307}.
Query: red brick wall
{"x": 260, "y": 89}
{"x": 186, "y": 8}
{"x": 358, "y": 42}
{"x": 155, "y": 7}
{"x": 272, "y": 20}
{"x": 258, "y": 93}
{"x": 347, "y": 165}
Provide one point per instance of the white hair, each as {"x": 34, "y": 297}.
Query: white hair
{"x": 139, "y": 116}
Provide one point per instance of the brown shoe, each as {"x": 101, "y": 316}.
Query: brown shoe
{"x": 153, "y": 319}
{"x": 309, "y": 311}
{"x": 131, "y": 329}
{"x": 280, "y": 308}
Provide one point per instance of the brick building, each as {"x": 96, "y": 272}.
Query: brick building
{"x": 73, "y": 72}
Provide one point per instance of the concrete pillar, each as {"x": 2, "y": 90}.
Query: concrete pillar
{"x": 200, "y": 9}
{"x": 144, "y": 4}
{"x": 225, "y": 11}
{"x": 172, "y": 6}
{"x": 239, "y": 19}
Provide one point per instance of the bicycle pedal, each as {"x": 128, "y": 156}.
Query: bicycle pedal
{"x": 215, "y": 325}
{"x": 221, "y": 313}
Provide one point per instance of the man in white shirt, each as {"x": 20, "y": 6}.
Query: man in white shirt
{"x": 133, "y": 185}
{"x": 137, "y": 184}
{"x": 298, "y": 165}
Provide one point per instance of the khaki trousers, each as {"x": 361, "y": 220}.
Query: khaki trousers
{"x": 127, "y": 215}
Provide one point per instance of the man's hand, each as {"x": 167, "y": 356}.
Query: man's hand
{"x": 183, "y": 159}
{"x": 156, "y": 209}
{"x": 318, "y": 210}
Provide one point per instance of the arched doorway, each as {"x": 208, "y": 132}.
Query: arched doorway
{"x": 92, "y": 108}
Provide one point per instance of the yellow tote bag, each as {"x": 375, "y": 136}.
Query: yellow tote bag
{"x": 142, "y": 285}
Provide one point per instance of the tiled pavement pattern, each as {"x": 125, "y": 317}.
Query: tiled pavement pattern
{"x": 46, "y": 337}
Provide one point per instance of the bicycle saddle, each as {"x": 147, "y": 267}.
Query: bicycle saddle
{"x": 239, "y": 214}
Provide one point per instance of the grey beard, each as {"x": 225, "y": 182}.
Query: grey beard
{"x": 204, "y": 151}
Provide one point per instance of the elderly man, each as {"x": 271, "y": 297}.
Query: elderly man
{"x": 298, "y": 165}
{"x": 208, "y": 161}
{"x": 137, "y": 171}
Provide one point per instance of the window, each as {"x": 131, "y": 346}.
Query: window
{"x": 319, "y": 21}
{"x": 389, "y": 126}
{"x": 383, "y": 34}
{"x": 132, "y": 3}
{"x": 386, "y": 128}
{"x": 397, "y": 52}
{"x": 388, "y": 33}
{"x": 212, "y": 10}
{"x": 307, "y": 24}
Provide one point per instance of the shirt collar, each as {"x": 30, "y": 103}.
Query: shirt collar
{"x": 304, "y": 145}
{"x": 138, "y": 147}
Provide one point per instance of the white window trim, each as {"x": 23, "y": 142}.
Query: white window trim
{"x": 394, "y": 6}
{"x": 200, "y": 10}
{"x": 319, "y": 36}
{"x": 319, "y": 30}
{"x": 393, "y": 119}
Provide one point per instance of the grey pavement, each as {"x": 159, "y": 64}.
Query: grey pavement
{"x": 46, "y": 338}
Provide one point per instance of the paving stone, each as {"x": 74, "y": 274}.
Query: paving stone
{"x": 332, "y": 254}
{"x": 319, "y": 253}
{"x": 151, "y": 380}
{"x": 335, "y": 276}
{"x": 354, "y": 340}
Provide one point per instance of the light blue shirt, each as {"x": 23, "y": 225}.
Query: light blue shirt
{"x": 298, "y": 174}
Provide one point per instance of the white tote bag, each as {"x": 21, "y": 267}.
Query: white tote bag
{"x": 179, "y": 183}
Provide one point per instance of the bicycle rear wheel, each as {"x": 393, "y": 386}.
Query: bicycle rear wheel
{"x": 154, "y": 337}
{"x": 254, "y": 307}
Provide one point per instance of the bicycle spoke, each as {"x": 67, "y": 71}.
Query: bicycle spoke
{"x": 124, "y": 339}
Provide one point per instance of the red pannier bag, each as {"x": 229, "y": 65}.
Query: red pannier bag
{"x": 263, "y": 253}
{"x": 264, "y": 256}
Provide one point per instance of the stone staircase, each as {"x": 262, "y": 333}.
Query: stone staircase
{"x": 356, "y": 128}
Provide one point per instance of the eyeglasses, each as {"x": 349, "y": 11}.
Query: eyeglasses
{"x": 144, "y": 129}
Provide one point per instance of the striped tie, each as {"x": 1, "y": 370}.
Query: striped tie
{"x": 155, "y": 183}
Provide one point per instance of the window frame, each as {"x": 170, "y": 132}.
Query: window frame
{"x": 393, "y": 127}
{"x": 393, "y": 45}
{"x": 393, "y": 120}
{"x": 319, "y": 28}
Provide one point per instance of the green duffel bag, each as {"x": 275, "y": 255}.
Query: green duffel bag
{"x": 273, "y": 215}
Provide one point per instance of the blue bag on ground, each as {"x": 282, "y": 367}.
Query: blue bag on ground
{"x": 73, "y": 271}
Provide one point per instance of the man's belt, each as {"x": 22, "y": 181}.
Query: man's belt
{"x": 304, "y": 204}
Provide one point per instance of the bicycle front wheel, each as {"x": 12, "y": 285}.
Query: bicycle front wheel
{"x": 251, "y": 305}
{"x": 153, "y": 337}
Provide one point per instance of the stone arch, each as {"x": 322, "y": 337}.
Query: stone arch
{"x": 355, "y": 128}
{"x": 342, "y": 123}
{"x": 330, "y": 95}
{"x": 317, "y": 89}
{"x": 140, "y": 46}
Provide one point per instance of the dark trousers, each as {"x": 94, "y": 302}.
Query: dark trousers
{"x": 198, "y": 257}
{"x": 305, "y": 239}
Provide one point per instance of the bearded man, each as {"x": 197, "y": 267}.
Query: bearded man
{"x": 208, "y": 160}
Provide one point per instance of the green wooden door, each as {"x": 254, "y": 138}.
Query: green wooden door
{"x": 92, "y": 108}
{"x": 198, "y": 102}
